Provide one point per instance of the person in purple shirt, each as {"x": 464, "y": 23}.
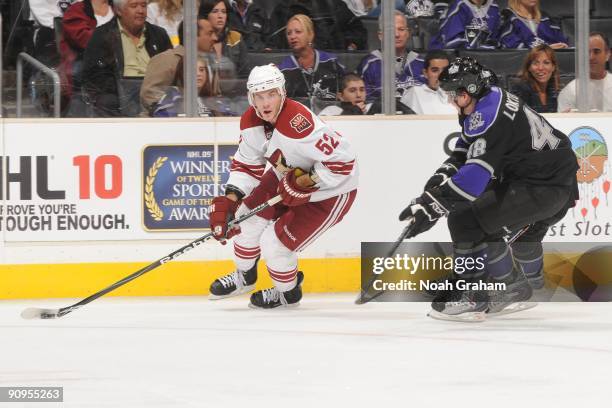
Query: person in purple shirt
{"x": 526, "y": 26}
{"x": 408, "y": 65}
{"x": 468, "y": 24}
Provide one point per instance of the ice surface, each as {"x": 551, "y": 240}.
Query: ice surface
{"x": 191, "y": 352}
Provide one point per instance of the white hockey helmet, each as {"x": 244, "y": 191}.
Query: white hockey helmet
{"x": 263, "y": 78}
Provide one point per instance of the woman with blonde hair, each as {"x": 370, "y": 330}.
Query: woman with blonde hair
{"x": 309, "y": 73}
{"x": 173, "y": 104}
{"x": 526, "y": 26}
{"x": 167, "y": 14}
{"x": 539, "y": 85}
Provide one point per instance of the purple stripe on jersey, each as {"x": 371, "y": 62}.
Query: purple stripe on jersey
{"x": 472, "y": 178}
{"x": 461, "y": 145}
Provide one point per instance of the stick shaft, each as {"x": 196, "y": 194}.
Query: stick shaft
{"x": 171, "y": 256}
{"x": 398, "y": 242}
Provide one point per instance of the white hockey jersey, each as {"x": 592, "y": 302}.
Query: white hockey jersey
{"x": 299, "y": 140}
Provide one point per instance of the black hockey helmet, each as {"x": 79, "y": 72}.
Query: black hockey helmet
{"x": 466, "y": 73}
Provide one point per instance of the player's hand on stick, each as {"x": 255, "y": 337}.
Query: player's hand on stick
{"x": 426, "y": 211}
{"x": 445, "y": 172}
{"x": 291, "y": 190}
{"x": 222, "y": 211}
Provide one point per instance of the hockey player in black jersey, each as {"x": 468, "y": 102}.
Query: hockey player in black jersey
{"x": 510, "y": 169}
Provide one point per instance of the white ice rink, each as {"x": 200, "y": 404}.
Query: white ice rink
{"x": 191, "y": 352}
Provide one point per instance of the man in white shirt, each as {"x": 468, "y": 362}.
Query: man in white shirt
{"x": 429, "y": 98}
{"x": 600, "y": 82}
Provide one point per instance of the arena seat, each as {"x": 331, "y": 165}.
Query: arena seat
{"x": 425, "y": 28}
{"x": 565, "y": 79}
{"x": 371, "y": 25}
{"x": 502, "y": 4}
{"x": 566, "y": 60}
{"x": 350, "y": 60}
{"x": 233, "y": 87}
{"x": 511, "y": 81}
{"x": 601, "y": 8}
{"x": 269, "y": 6}
{"x": 596, "y": 24}
{"x": 263, "y": 58}
{"x": 558, "y": 8}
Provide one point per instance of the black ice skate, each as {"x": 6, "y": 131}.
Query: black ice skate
{"x": 460, "y": 305}
{"x": 514, "y": 298}
{"x": 234, "y": 284}
{"x": 272, "y": 298}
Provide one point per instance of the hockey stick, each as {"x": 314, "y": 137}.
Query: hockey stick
{"x": 38, "y": 313}
{"x": 362, "y": 299}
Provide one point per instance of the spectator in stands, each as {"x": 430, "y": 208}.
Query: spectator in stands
{"x": 469, "y": 24}
{"x": 249, "y": 18}
{"x": 309, "y": 73}
{"x": 352, "y": 100}
{"x": 118, "y": 49}
{"x": 336, "y": 28}
{"x": 408, "y": 64}
{"x": 167, "y": 14}
{"x": 441, "y": 8}
{"x": 173, "y": 103}
{"x": 600, "y": 83}
{"x": 229, "y": 42}
{"x": 78, "y": 24}
{"x": 429, "y": 98}
{"x": 161, "y": 71}
{"x": 371, "y": 8}
{"x": 524, "y": 25}
{"x": 43, "y": 12}
{"x": 539, "y": 85}
{"x": 351, "y": 97}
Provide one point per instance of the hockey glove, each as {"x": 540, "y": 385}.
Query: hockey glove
{"x": 222, "y": 211}
{"x": 445, "y": 172}
{"x": 426, "y": 211}
{"x": 293, "y": 194}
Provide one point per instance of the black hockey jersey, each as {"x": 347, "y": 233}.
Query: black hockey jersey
{"x": 507, "y": 140}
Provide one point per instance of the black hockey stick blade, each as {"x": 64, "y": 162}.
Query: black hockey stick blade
{"x": 39, "y": 313}
{"x": 362, "y": 299}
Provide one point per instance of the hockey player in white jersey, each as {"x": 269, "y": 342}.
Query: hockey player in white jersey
{"x": 311, "y": 166}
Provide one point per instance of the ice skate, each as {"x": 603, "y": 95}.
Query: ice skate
{"x": 459, "y": 305}
{"x": 272, "y": 298}
{"x": 514, "y": 298}
{"x": 234, "y": 284}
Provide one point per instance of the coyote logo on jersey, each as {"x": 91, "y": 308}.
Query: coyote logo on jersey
{"x": 300, "y": 123}
{"x": 278, "y": 161}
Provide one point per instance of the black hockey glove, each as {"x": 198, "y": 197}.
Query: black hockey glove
{"x": 426, "y": 211}
{"x": 446, "y": 171}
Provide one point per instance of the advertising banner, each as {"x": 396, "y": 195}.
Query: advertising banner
{"x": 149, "y": 180}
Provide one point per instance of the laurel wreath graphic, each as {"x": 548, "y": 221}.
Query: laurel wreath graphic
{"x": 156, "y": 213}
